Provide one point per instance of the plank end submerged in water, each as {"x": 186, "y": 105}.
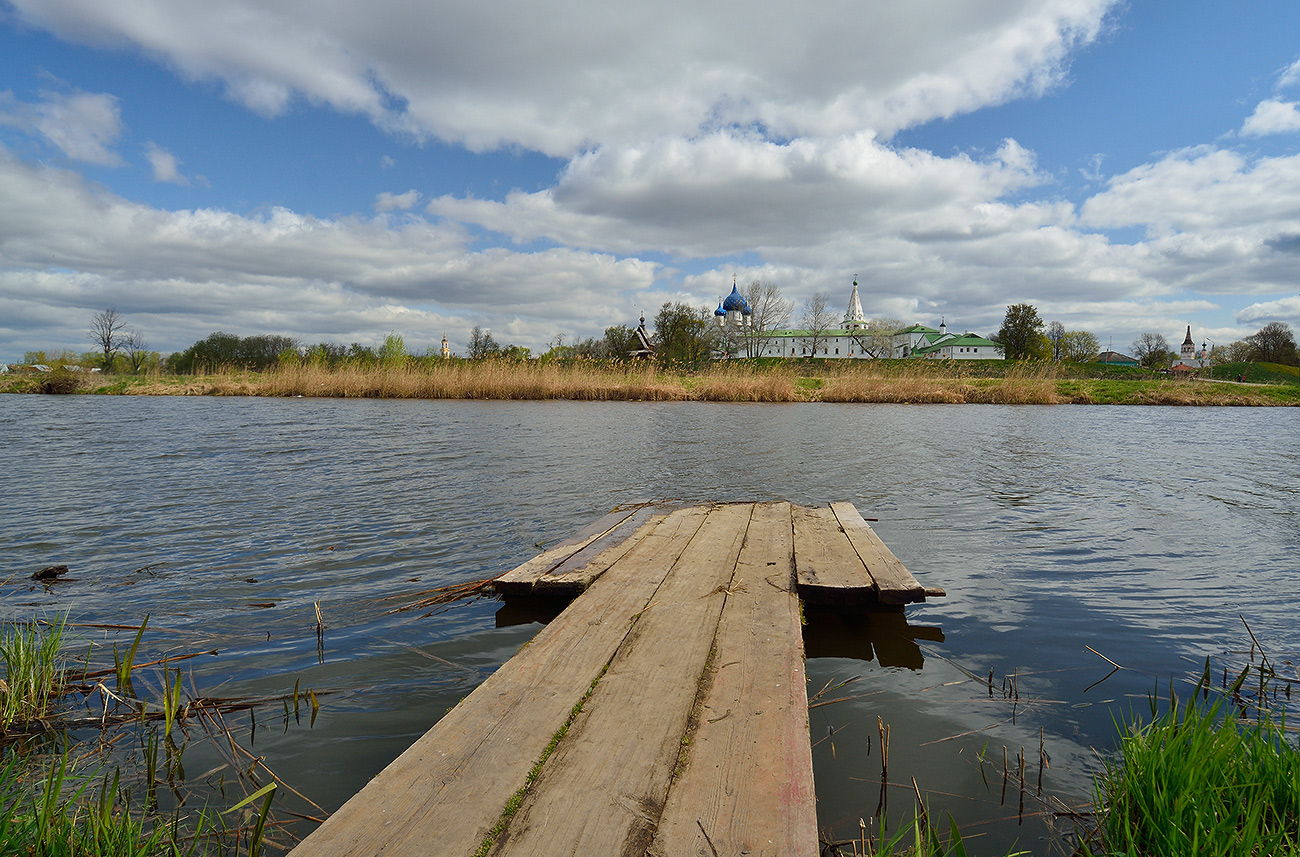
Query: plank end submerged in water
{"x": 894, "y": 583}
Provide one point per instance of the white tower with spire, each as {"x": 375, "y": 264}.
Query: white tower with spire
{"x": 854, "y": 319}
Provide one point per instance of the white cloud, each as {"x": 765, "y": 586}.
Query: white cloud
{"x": 1272, "y": 117}
{"x": 397, "y": 201}
{"x": 65, "y": 244}
{"x": 83, "y": 125}
{"x": 559, "y": 78}
{"x": 166, "y": 168}
{"x": 1286, "y": 309}
{"x": 1290, "y": 77}
{"x": 727, "y": 193}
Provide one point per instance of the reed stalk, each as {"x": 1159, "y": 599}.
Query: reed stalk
{"x": 34, "y": 669}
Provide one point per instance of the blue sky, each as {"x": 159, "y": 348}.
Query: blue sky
{"x": 339, "y": 173}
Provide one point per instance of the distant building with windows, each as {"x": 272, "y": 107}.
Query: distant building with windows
{"x": 852, "y": 340}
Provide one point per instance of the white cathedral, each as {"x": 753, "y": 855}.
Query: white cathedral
{"x": 851, "y": 340}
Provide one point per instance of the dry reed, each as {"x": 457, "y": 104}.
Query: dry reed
{"x": 885, "y": 382}
{"x": 926, "y": 382}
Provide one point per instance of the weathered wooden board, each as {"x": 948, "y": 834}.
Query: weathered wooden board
{"x": 664, "y": 589}
{"x": 571, "y": 577}
{"x": 519, "y": 580}
{"x": 449, "y": 788}
{"x": 747, "y": 787}
{"x": 894, "y": 583}
{"x": 604, "y": 788}
{"x": 828, "y": 569}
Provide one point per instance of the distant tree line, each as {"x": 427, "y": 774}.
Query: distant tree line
{"x": 1273, "y": 343}
{"x": 684, "y": 336}
{"x": 1023, "y": 335}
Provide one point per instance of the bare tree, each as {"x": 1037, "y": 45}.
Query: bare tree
{"x": 1056, "y": 336}
{"x": 769, "y": 313}
{"x": 135, "y": 349}
{"x": 107, "y": 329}
{"x": 1152, "y": 350}
{"x": 817, "y": 319}
{"x": 1273, "y": 343}
{"x": 877, "y": 339}
{"x": 482, "y": 344}
{"x": 1233, "y": 352}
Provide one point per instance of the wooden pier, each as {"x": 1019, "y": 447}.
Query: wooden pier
{"x": 663, "y": 712}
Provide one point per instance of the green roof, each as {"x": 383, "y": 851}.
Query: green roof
{"x": 967, "y": 340}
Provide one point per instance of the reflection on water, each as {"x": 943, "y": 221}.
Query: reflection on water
{"x": 1145, "y": 533}
{"x": 885, "y": 637}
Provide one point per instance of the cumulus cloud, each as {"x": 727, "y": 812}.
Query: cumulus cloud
{"x": 166, "y": 167}
{"x": 559, "y": 78}
{"x": 691, "y": 135}
{"x": 1286, "y": 310}
{"x": 397, "y": 201}
{"x": 64, "y": 243}
{"x": 82, "y": 125}
{"x": 1272, "y": 117}
{"x": 729, "y": 193}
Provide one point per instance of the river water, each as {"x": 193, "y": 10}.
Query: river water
{"x": 1147, "y": 534}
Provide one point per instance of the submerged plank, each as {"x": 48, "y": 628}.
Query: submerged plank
{"x": 747, "y": 787}
{"x": 571, "y": 577}
{"x": 894, "y": 583}
{"x": 449, "y": 788}
{"x": 519, "y": 580}
{"x": 603, "y": 790}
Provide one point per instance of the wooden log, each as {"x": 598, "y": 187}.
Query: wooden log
{"x": 747, "y": 787}
{"x": 894, "y": 583}
{"x": 519, "y": 580}
{"x": 449, "y": 788}
{"x": 604, "y": 788}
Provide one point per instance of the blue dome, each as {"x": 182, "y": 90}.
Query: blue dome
{"x": 735, "y": 302}
{"x": 719, "y": 310}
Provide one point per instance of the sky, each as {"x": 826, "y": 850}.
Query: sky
{"x": 338, "y": 171}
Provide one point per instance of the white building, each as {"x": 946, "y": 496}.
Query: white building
{"x": 1189, "y": 359}
{"x": 854, "y": 340}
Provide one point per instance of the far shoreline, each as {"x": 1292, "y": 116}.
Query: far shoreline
{"x": 877, "y": 382}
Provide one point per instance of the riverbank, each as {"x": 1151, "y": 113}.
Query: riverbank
{"x": 893, "y": 382}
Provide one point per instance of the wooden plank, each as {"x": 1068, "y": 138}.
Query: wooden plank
{"x": 519, "y": 580}
{"x": 449, "y": 788}
{"x": 603, "y": 789}
{"x": 828, "y": 569}
{"x": 748, "y": 780}
{"x": 571, "y": 577}
{"x": 894, "y": 583}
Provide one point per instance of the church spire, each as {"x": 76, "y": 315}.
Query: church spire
{"x": 854, "y": 319}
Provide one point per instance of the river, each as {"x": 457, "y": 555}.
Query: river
{"x": 1145, "y": 533}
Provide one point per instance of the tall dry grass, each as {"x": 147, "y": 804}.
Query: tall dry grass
{"x": 892, "y": 382}
{"x": 929, "y": 382}
{"x": 582, "y": 381}
{"x": 742, "y": 383}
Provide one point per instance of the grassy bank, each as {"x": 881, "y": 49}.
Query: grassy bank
{"x": 1203, "y": 778}
{"x": 882, "y": 381}
{"x": 93, "y": 751}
